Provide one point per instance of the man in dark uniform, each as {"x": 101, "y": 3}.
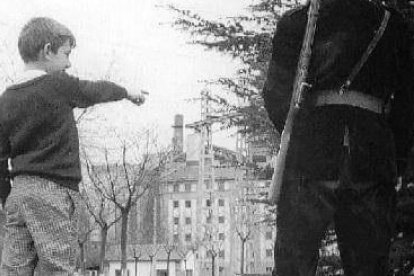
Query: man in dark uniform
{"x": 347, "y": 145}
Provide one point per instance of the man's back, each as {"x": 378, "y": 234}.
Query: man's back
{"x": 341, "y": 163}
{"x": 344, "y": 31}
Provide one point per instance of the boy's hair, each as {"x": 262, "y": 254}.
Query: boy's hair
{"x": 38, "y": 32}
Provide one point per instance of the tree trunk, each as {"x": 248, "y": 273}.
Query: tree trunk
{"x": 136, "y": 266}
{"x": 82, "y": 258}
{"x": 104, "y": 234}
{"x": 195, "y": 263}
{"x": 168, "y": 263}
{"x": 213, "y": 265}
{"x": 152, "y": 265}
{"x": 153, "y": 271}
{"x": 124, "y": 237}
{"x": 243, "y": 245}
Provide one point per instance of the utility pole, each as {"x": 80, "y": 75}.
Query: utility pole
{"x": 206, "y": 180}
{"x": 153, "y": 271}
{"x": 206, "y": 170}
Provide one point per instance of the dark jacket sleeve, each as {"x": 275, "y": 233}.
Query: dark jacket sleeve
{"x": 278, "y": 87}
{"x": 401, "y": 117}
{"x": 84, "y": 93}
{"x": 4, "y": 162}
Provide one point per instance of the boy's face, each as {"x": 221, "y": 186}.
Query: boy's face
{"x": 58, "y": 61}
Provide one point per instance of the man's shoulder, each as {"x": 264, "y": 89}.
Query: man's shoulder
{"x": 296, "y": 11}
{"x": 294, "y": 17}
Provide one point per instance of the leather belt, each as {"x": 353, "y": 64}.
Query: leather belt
{"x": 349, "y": 97}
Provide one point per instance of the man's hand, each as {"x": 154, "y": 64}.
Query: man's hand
{"x": 138, "y": 99}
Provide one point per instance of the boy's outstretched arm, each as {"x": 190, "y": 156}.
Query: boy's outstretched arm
{"x": 84, "y": 93}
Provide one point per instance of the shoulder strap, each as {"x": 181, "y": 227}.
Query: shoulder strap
{"x": 367, "y": 53}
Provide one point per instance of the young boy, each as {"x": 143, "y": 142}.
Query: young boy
{"x": 39, "y": 152}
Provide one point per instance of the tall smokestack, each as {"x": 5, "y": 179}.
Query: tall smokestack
{"x": 178, "y": 138}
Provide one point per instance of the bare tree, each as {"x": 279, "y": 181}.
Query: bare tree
{"x": 137, "y": 251}
{"x": 245, "y": 226}
{"x": 213, "y": 246}
{"x": 101, "y": 210}
{"x": 169, "y": 247}
{"x": 152, "y": 252}
{"x": 85, "y": 229}
{"x": 124, "y": 182}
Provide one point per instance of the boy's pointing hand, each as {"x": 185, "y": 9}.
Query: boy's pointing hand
{"x": 138, "y": 99}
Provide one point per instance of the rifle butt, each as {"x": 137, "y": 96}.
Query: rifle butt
{"x": 278, "y": 175}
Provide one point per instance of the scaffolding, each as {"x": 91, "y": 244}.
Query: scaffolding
{"x": 206, "y": 170}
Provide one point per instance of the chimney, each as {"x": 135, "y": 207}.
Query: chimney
{"x": 178, "y": 136}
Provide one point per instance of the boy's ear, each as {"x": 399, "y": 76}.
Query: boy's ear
{"x": 47, "y": 50}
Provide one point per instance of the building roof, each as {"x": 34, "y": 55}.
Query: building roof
{"x": 142, "y": 251}
{"x": 177, "y": 172}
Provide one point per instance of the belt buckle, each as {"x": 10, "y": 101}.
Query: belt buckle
{"x": 344, "y": 87}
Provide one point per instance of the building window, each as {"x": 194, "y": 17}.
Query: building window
{"x": 187, "y": 237}
{"x": 269, "y": 269}
{"x": 208, "y": 219}
{"x": 161, "y": 272}
{"x": 207, "y": 184}
{"x": 176, "y": 188}
{"x": 221, "y": 236}
{"x": 176, "y": 203}
{"x": 269, "y": 253}
{"x": 269, "y": 235}
{"x": 221, "y": 270}
{"x": 189, "y": 272}
{"x": 187, "y": 220}
{"x": 118, "y": 272}
{"x": 221, "y": 186}
{"x": 221, "y": 219}
{"x": 208, "y": 202}
{"x": 221, "y": 254}
{"x": 221, "y": 202}
{"x": 176, "y": 238}
{"x": 176, "y": 220}
{"x": 188, "y": 187}
{"x": 188, "y": 204}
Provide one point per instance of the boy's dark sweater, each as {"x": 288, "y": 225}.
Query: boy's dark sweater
{"x": 38, "y": 130}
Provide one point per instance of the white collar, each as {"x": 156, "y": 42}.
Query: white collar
{"x": 29, "y": 75}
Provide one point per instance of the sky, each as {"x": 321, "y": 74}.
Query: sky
{"x": 134, "y": 43}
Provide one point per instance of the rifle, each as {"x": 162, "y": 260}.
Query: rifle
{"x": 297, "y": 96}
